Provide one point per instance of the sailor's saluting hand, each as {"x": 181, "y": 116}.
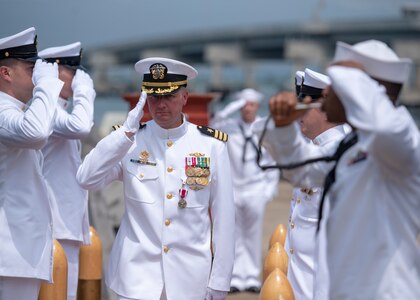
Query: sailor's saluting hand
{"x": 285, "y": 108}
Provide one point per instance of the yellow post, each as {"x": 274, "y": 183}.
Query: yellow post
{"x": 58, "y": 289}
{"x": 278, "y": 235}
{"x": 276, "y": 258}
{"x": 276, "y": 287}
{"x": 90, "y": 269}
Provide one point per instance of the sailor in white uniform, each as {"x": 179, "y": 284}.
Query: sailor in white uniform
{"x": 253, "y": 188}
{"x": 301, "y": 242}
{"x": 25, "y": 214}
{"x": 62, "y": 156}
{"x": 372, "y": 191}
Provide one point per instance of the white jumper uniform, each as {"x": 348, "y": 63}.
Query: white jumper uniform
{"x": 373, "y": 223}
{"x": 253, "y": 188}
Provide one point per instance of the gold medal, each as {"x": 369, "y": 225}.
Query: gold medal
{"x": 190, "y": 180}
{"x": 190, "y": 171}
{"x": 202, "y": 181}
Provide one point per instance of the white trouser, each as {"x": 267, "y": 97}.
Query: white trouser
{"x": 18, "y": 288}
{"x": 71, "y": 248}
{"x": 162, "y": 297}
{"x": 249, "y": 214}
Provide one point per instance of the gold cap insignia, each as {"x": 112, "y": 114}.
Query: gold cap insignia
{"x": 158, "y": 71}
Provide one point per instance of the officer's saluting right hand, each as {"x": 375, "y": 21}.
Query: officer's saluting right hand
{"x": 132, "y": 123}
{"x": 42, "y": 70}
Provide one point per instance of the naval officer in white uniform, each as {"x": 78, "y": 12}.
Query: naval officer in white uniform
{"x": 372, "y": 192}
{"x": 253, "y": 188}
{"x": 301, "y": 243}
{"x": 25, "y": 214}
{"x": 62, "y": 156}
{"x": 174, "y": 173}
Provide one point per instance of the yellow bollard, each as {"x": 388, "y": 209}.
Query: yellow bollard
{"x": 58, "y": 289}
{"x": 278, "y": 235}
{"x": 90, "y": 269}
{"x": 276, "y": 258}
{"x": 276, "y": 287}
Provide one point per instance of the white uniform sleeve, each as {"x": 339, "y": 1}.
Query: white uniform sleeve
{"x": 78, "y": 123}
{"x": 393, "y": 136}
{"x": 286, "y": 145}
{"x": 103, "y": 164}
{"x": 223, "y": 217}
{"x": 32, "y": 128}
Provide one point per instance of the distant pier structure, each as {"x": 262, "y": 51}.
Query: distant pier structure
{"x": 264, "y": 58}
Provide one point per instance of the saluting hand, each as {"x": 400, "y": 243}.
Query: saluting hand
{"x": 43, "y": 69}
{"x": 132, "y": 123}
{"x": 282, "y": 108}
{"x": 81, "y": 78}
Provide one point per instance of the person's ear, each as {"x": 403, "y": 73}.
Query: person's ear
{"x": 5, "y": 73}
{"x": 185, "y": 96}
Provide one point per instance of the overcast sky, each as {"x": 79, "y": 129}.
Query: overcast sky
{"x": 98, "y": 23}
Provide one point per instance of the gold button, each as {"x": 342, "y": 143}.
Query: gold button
{"x": 298, "y": 200}
{"x": 291, "y": 251}
{"x": 141, "y": 175}
{"x": 170, "y": 169}
{"x": 169, "y": 143}
{"x": 166, "y": 249}
{"x": 167, "y": 222}
{"x": 169, "y": 195}
{"x": 292, "y": 225}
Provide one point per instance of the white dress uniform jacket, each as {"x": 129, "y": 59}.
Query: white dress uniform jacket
{"x": 301, "y": 242}
{"x": 253, "y": 188}
{"x": 158, "y": 243}
{"x": 25, "y": 214}
{"x": 61, "y": 161}
{"x": 373, "y": 221}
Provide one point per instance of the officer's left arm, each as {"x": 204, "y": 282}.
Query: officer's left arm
{"x": 223, "y": 217}
{"x": 393, "y": 137}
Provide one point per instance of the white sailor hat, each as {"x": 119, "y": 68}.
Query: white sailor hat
{"x": 250, "y": 95}
{"x": 164, "y": 76}
{"x": 22, "y": 45}
{"x": 378, "y": 60}
{"x": 68, "y": 55}
{"x": 299, "y": 76}
{"x": 313, "y": 84}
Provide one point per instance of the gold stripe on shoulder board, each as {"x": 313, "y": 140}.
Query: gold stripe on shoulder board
{"x": 220, "y": 135}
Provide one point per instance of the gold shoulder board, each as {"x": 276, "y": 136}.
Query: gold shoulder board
{"x": 220, "y": 135}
